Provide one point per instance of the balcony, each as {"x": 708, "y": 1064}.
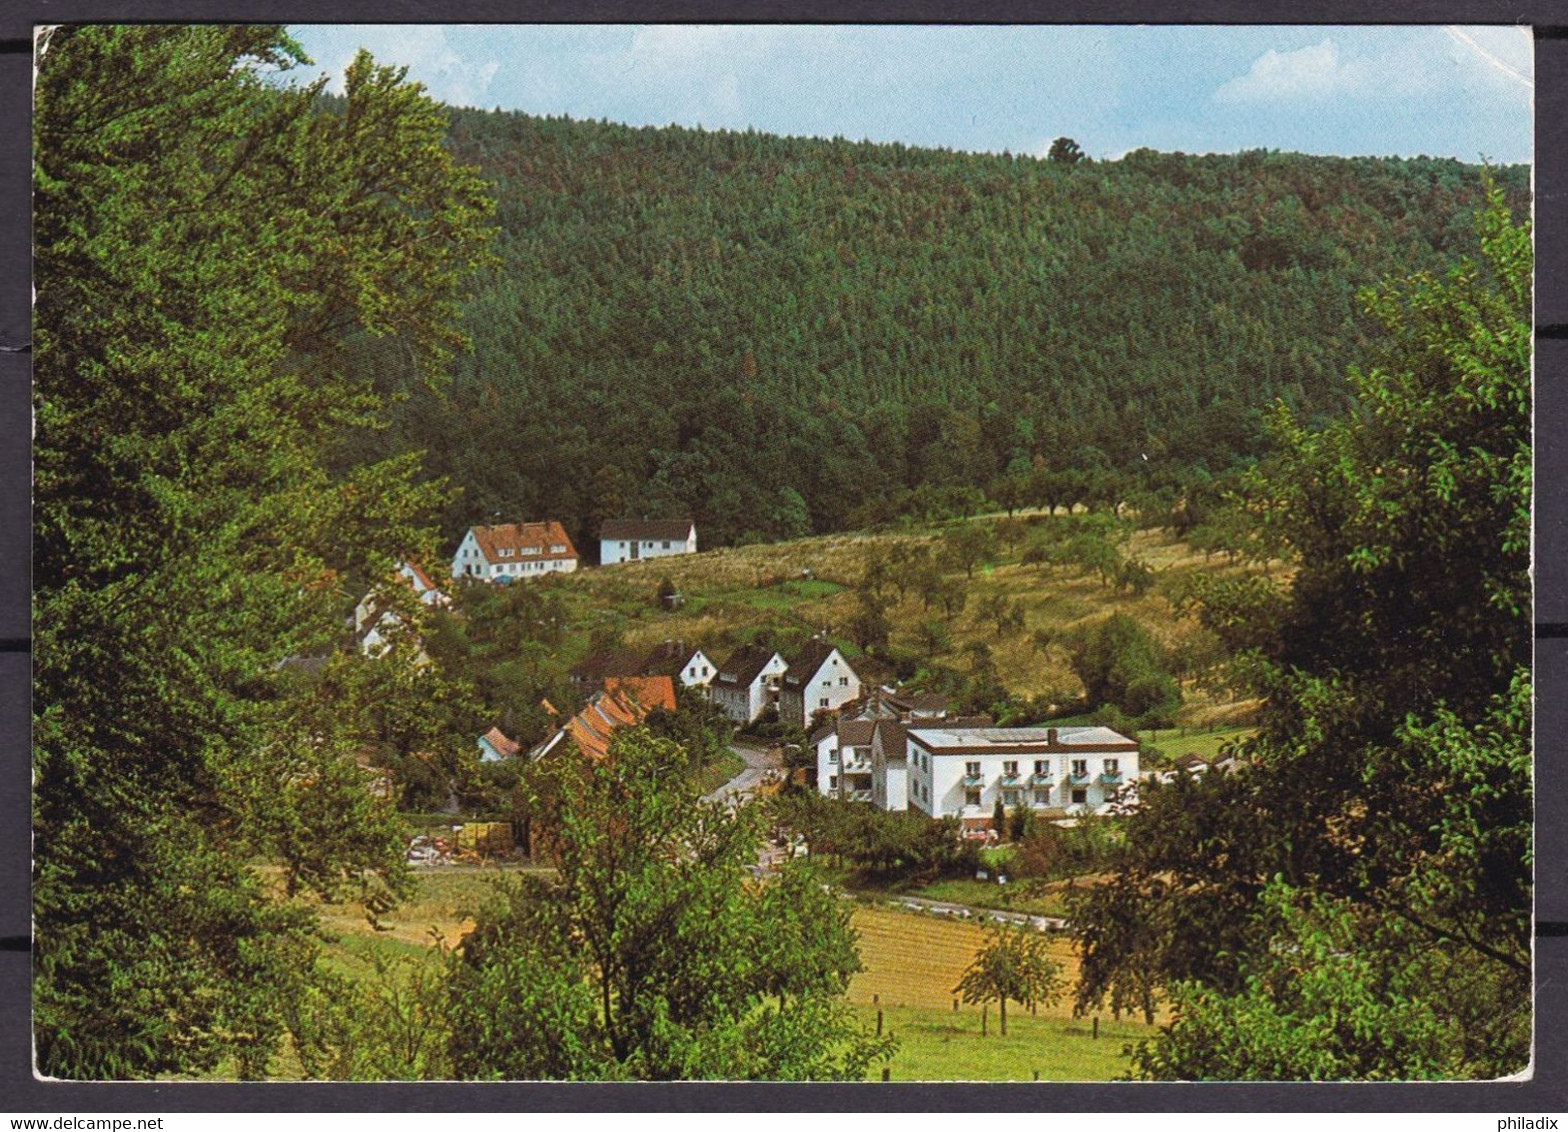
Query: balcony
{"x": 1076, "y": 779}
{"x": 1040, "y": 779}
{"x": 1111, "y": 778}
{"x": 859, "y": 795}
{"x": 974, "y": 780}
{"x": 1009, "y": 779}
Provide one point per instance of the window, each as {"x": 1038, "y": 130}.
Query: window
{"x": 1009, "y": 797}
{"x": 832, "y": 782}
{"x": 1042, "y": 797}
{"x": 1080, "y": 797}
{"x": 1042, "y": 767}
{"x": 1113, "y": 766}
{"x": 1010, "y": 769}
{"x": 827, "y": 683}
{"x": 558, "y": 550}
{"x": 972, "y": 770}
{"x": 823, "y": 703}
{"x": 971, "y": 797}
{"x": 704, "y": 669}
{"x": 666, "y": 544}
{"x": 833, "y": 755}
{"x": 843, "y": 681}
{"x": 1080, "y": 768}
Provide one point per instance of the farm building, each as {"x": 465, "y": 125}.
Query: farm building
{"x": 510, "y": 551}
{"x": 630, "y": 540}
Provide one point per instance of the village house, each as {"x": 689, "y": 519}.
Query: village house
{"x": 630, "y": 540}
{"x": 747, "y": 683}
{"x": 819, "y": 679}
{"x": 687, "y": 664}
{"x": 889, "y": 767}
{"x": 494, "y": 746}
{"x": 843, "y": 753}
{"x": 374, "y": 623}
{"x": 510, "y": 551}
{"x": 626, "y": 701}
{"x": 962, "y": 772}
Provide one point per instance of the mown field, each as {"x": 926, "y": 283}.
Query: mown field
{"x": 783, "y": 592}
{"x": 912, "y": 962}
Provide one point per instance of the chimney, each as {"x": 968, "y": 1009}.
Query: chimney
{"x": 1050, "y": 736}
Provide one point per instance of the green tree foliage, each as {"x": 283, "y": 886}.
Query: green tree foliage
{"x": 885, "y": 330}
{"x": 1380, "y": 844}
{"x": 649, "y": 956}
{"x": 1121, "y": 666}
{"x": 1014, "y": 964}
{"x": 1065, "y": 151}
{"x": 215, "y": 250}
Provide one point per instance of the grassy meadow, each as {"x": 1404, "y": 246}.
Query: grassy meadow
{"x": 912, "y": 961}
{"x": 783, "y": 592}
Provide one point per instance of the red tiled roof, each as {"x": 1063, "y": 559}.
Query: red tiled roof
{"x": 421, "y": 580}
{"x": 649, "y": 691}
{"x": 537, "y": 538}
{"x": 504, "y": 747}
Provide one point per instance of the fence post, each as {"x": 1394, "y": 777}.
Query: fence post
{"x": 886, "y": 1073}
{"x": 1096, "y": 1027}
{"x": 879, "y": 1023}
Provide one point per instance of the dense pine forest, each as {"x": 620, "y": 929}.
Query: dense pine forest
{"x": 789, "y": 335}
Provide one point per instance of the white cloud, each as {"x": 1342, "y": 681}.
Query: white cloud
{"x": 1313, "y": 72}
{"x": 424, "y": 50}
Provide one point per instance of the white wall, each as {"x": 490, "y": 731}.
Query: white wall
{"x": 830, "y": 688}
{"x": 612, "y": 551}
{"x": 937, "y": 781}
{"x": 699, "y": 671}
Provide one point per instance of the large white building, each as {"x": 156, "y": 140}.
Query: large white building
{"x": 510, "y": 551}
{"x": 630, "y": 540}
{"x": 963, "y": 771}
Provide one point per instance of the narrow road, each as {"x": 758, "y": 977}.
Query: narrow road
{"x": 759, "y": 761}
{"x": 965, "y": 911}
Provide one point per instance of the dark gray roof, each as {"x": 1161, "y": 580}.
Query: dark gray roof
{"x": 676, "y": 530}
{"x": 744, "y": 666}
{"x": 808, "y": 661}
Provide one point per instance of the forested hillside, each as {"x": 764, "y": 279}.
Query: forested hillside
{"x": 785, "y": 335}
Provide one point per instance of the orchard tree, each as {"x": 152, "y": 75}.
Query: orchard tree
{"x": 648, "y": 956}
{"x": 1014, "y": 964}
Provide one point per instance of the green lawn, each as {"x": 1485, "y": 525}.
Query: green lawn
{"x": 939, "y": 1045}
{"x": 717, "y": 773}
{"x": 1174, "y": 743}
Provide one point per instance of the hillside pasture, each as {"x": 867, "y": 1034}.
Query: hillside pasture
{"x": 781, "y": 593}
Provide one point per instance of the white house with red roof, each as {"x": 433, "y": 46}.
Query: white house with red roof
{"x": 630, "y": 540}
{"x": 509, "y": 551}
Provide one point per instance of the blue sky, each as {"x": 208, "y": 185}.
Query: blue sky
{"x": 1448, "y": 91}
